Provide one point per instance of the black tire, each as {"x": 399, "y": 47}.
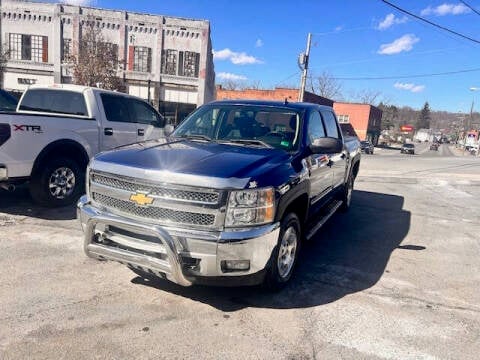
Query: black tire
{"x": 346, "y": 194}
{"x": 279, "y": 273}
{"x": 59, "y": 182}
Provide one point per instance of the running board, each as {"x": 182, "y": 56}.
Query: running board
{"x": 332, "y": 208}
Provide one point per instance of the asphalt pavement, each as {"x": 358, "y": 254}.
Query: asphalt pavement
{"x": 397, "y": 277}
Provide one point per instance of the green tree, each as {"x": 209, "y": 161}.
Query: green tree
{"x": 424, "y": 118}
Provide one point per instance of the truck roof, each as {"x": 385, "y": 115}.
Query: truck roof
{"x": 74, "y": 88}
{"x": 292, "y": 105}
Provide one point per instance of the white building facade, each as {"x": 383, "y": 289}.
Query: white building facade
{"x": 163, "y": 59}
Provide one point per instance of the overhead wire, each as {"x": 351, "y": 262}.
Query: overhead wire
{"x": 408, "y": 76}
{"x": 470, "y": 7}
{"x": 430, "y": 22}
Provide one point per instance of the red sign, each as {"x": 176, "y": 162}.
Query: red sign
{"x": 406, "y": 128}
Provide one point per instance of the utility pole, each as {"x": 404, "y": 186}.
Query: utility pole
{"x": 303, "y": 63}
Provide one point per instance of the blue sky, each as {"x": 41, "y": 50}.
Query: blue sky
{"x": 259, "y": 42}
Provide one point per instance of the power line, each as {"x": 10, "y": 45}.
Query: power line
{"x": 408, "y": 76}
{"x": 470, "y": 7}
{"x": 430, "y": 22}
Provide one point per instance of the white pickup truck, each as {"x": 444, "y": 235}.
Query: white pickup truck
{"x": 55, "y": 130}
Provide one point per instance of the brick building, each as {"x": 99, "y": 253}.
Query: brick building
{"x": 364, "y": 118}
{"x": 278, "y": 94}
{"x": 164, "y": 59}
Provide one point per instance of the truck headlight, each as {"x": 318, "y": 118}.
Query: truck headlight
{"x": 250, "y": 207}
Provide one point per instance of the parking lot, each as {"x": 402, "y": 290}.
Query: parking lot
{"x": 397, "y": 277}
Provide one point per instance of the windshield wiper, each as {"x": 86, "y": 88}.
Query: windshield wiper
{"x": 195, "y": 137}
{"x": 247, "y": 142}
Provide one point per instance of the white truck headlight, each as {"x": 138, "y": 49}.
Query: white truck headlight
{"x": 250, "y": 207}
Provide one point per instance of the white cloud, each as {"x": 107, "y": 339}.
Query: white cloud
{"x": 338, "y": 28}
{"x": 78, "y": 2}
{"x": 404, "y": 43}
{"x": 391, "y": 20}
{"x": 230, "y": 76}
{"x": 259, "y": 43}
{"x": 409, "y": 87}
{"x": 237, "y": 58}
{"x": 446, "y": 9}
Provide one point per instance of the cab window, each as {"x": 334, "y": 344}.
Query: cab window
{"x": 315, "y": 127}
{"x": 330, "y": 124}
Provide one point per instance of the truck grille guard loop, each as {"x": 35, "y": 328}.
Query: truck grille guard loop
{"x": 174, "y": 268}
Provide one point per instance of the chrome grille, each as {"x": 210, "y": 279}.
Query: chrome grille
{"x": 157, "y": 190}
{"x": 156, "y": 213}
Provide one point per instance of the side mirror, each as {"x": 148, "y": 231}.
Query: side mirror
{"x": 168, "y": 129}
{"x": 326, "y": 145}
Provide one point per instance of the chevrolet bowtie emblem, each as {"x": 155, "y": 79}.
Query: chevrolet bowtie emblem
{"x": 141, "y": 199}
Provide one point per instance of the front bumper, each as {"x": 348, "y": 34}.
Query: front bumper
{"x": 181, "y": 255}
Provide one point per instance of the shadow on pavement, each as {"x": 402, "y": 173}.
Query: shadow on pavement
{"x": 349, "y": 254}
{"x": 19, "y": 202}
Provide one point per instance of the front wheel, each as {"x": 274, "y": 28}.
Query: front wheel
{"x": 285, "y": 254}
{"x": 59, "y": 182}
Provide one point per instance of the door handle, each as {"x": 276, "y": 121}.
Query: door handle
{"x": 108, "y": 131}
{"x": 141, "y": 132}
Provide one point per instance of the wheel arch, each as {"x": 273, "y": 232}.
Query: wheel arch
{"x": 65, "y": 148}
{"x": 299, "y": 204}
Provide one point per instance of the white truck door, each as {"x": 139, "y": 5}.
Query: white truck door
{"x": 149, "y": 123}
{"x": 117, "y": 127}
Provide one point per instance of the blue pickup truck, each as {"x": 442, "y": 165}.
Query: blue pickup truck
{"x": 227, "y": 198}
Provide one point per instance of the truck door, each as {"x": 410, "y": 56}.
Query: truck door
{"x": 149, "y": 122}
{"x": 321, "y": 174}
{"x": 338, "y": 161}
{"x": 118, "y": 127}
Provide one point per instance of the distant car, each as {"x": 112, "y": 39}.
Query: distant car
{"x": 7, "y": 102}
{"x": 408, "y": 149}
{"x": 434, "y": 146}
{"x": 367, "y": 147}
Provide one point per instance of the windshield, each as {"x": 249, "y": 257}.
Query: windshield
{"x": 408, "y": 145}
{"x": 268, "y": 126}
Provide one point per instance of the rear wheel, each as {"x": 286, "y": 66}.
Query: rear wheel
{"x": 285, "y": 254}
{"x": 59, "y": 182}
{"x": 346, "y": 195}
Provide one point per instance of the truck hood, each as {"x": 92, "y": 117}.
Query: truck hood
{"x": 195, "y": 163}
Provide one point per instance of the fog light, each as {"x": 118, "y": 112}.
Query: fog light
{"x": 235, "y": 265}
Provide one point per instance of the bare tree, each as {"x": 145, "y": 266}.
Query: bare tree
{"x": 97, "y": 61}
{"x": 4, "y": 56}
{"x": 366, "y": 96}
{"x": 326, "y": 85}
{"x": 230, "y": 84}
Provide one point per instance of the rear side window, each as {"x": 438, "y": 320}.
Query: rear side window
{"x": 330, "y": 124}
{"x": 116, "y": 108}
{"x": 54, "y": 101}
{"x": 7, "y": 101}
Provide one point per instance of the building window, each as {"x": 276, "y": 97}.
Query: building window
{"x": 188, "y": 64}
{"x": 28, "y": 47}
{"x": 343, "y": 119}
{"x": 15, "y": 46}
{"x": 67, "y": 49}
{"x": 169, "y": 63}
{"x": 142, "y": 58}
